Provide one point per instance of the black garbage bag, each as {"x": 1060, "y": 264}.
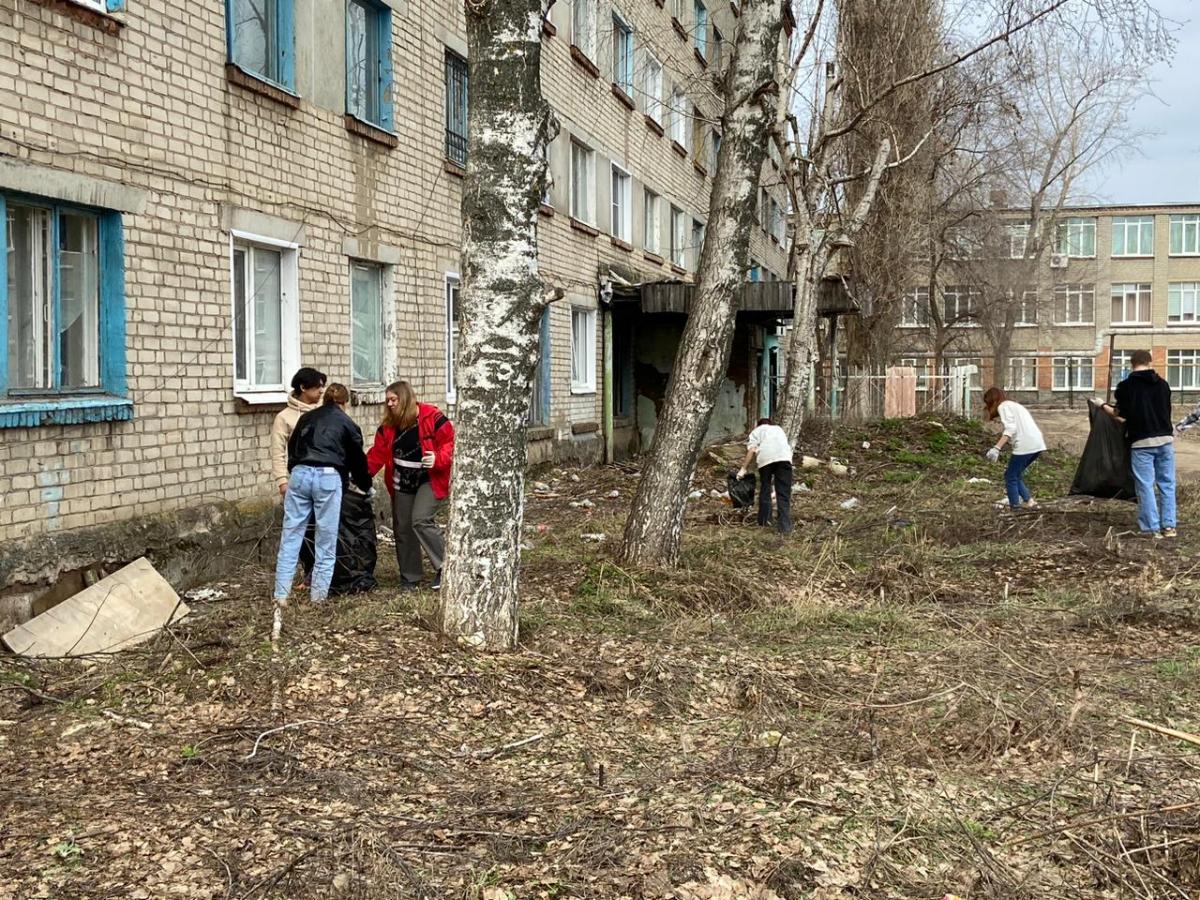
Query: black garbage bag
{"x": 741, "y": 490}
{"x": 1104, "y": 469}
{"x": 354, "y": 571}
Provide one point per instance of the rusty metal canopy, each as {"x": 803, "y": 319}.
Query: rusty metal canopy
{"x": 774, "y": 297}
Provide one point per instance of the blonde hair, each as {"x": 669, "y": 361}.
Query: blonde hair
{"x": 404, "y": 413}
{"x": 337, "y": 393}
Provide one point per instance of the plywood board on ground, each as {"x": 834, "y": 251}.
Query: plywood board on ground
{"x": 126, "y": 608}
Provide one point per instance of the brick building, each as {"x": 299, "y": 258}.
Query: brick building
{"x": 199, "y": 198}
{"x": 1119, "y": 277}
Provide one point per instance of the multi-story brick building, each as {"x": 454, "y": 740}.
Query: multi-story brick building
{"x": 1116, "y": 277}
{"x": 199, "y": 198}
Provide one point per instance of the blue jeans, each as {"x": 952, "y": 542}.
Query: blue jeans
{"x": 1154, "y": 467}
{"x": 311, "y": 492}
{"x": 1014, "y": 478}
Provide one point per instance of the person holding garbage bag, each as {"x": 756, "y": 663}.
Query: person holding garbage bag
{"x": 1019, "y": 430}
{"x": 415, "y": 448}
{"x": 768, "y": 445}
{"x": 325, "y": 450}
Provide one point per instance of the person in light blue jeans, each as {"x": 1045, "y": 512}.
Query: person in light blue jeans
{"x": 1154, "y": 468}
{"x": 325, "y": 451}
{"x": 1026, "y": 439}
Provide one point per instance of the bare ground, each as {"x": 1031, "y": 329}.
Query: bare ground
{"x": 918, "y": 696}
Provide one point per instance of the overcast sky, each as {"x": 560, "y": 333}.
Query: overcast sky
{"x": 1168, "y": 167}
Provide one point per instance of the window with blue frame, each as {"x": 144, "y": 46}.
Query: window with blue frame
{"x": 369, "y": 62}
{"x": 104, "y": 5}
{"x": 260, "y": 39}
{"x": 622, "y": 47}
{"x": 62, "y": 313}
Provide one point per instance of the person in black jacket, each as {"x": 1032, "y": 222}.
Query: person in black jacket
{"x": 325, "y": 450}
{"x": 1144, "y": 406}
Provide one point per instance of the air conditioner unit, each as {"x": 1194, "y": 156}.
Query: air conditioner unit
{"x": 1058, "y": 260}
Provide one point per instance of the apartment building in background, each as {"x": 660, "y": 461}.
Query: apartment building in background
{"x": 197, "y": 199}
{"x": 1117, "y": 278}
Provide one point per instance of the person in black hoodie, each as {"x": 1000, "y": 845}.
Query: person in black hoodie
{"x": 325, "y": 450}
{"x": 1144, "y": 406}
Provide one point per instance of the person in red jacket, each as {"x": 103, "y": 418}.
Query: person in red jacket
{"x": 415, "y": 448}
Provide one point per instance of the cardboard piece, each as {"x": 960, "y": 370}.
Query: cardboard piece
{"x": 124, "y": 609}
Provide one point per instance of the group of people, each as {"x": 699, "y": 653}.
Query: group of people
{"x": 317, "y": 452}
{"x": 1143, "y": 409}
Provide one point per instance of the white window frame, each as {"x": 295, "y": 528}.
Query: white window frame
{"x": 451, "y": 293}
{"x": 679, "y": 117}
{"x": 588, "y": 214}
{"x": 1016, "y": 235}
{"x": 678, "y": 237}
{"x": 696, "y": 242}
{"x": 98, "y": 5}
{"x": 1120, "y": 365}
{"x": 921, "y": 364}
{"x": 1186, "y": 225}
{"x": 622, "y": 204}
{"x": 1028, "y": 304}
{"x": 1183, "y": 360}
{"x": 1061, "y": 363}
{"x": 1140, "y": 295}
{"x": 651, "y": 222}
{"x": 1077, "y": 292}
{"x": 914, "y": 308}
{"x": 963, "y": 316}
{"x": 1073, "y": 236}
{"x": 652, "y": 85}
{"x": 1133, "y": 226}
{"x": 385, "y": 288}
{"x": 1180, "y": 294}
{"x": 1020, "y": 366}
{"x": 583, "y": 26}
{"x": 586, "y": 385}
{"x": 289, "y": 317}
{"x": 619, "y": 22}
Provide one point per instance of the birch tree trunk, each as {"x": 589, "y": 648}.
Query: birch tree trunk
{"x": 508, "y": 124}
{"x": 810, "y": 269}
{"x": 654, "y": 529}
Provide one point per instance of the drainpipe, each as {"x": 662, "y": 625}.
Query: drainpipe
{"x": 608, "y": 386}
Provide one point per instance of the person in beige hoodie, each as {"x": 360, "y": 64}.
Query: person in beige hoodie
{"x": 307, "y": 387}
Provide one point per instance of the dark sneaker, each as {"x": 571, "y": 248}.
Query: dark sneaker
{"x": 437, "y": 581}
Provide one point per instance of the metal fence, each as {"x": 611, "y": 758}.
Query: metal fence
{"x": 861, "y": 396}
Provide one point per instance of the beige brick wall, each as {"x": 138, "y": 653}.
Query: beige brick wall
{"x": 151, "y": 108}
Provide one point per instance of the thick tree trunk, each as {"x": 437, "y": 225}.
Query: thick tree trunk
{"x": 654, "y": 529}
{"x": 802, "y": 349}
{"x": 502, "y": 299}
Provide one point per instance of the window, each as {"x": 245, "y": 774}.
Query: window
{"x": 583, "y": 26}
{"x": 1073, "y": 373}
{"x": 715, "y": 57}
{"x": 755, "y": 273}
{"x": 366, "y": 323}
{"x": 1131, "y": 304}
{"x": 1121, "y": 365}
{"x": 678, "y": 238}
{"x": 547, "y": 195}
{"x": 1183, "y": 369}
{"x": 914, "y": 308}
{"x": 62, "y": 302}
{"x": 456, "y": 109}
{"x": 583, "y": 351}
{"x": 1027, "y": 309}
{"x": 680, "y": 109}
{"x": 652, "y": 239}
{"x": 1185, "y": 235}
{"x": 652, "y": 85}
{"x": 700, "y": 28}
{"x": 764, "y": 208}
{"x": 259, "y": 39}
{"x": 955, "y": 362}
{"x": 583, "y": 183}
{"x": 1183, "y": 300}
{"x": 1016, "y": 238}
{"x": 1077, "y": 237}
{"x": 697, "y": 243}
{"x": 1073, "y": 303}
{"x": 962, "y": 243}
{"x": 677, "y": 10}
{"x": 539, "y": 400}
{"x": 1022, "y": 373}
{"x": 453, "y": 330}
{"x": 266, "y": 319}
{"x": 960, "y": 304}
{"x": 1133, "y": 236}
{"x": 622, "y": 48}
{"x": 714, "y": 151}
{"x": 369, "y": 62}
{"x": 622, "y": 204}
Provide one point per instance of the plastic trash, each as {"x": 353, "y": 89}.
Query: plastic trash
{"x": 979, "y": 481}
{"x": 540, "y": 487}
{"x": 581, "y": 504}
{"x": 802, "y": 488}
{"x": 852, "y": 503}
{"x": 838, "y": 468}
{"x": 613, "y": 495}
{"x": 809, "y": 462}
{"x": 593, "y": 538}
{"x": 354, "y": 569}
{"x": 866, "y": 445}
{"x": 741, "y": 490}
{"x": 1104, "y": 469}
{"x": 695, "y": 495}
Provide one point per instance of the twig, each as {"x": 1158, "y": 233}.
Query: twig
{"x": 1113, "y": 818}
{"x": 258, "y": 740}
{"x": 125, "y": 720}
{"x": 1162, "y": 729}
{"x": 504, "y": 748}
{"x": 225, "y": 866}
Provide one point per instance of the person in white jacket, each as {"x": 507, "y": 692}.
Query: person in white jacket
{"x": 1022, "y": 433}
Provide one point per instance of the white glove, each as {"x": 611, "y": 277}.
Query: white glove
{"x": 741, "y": 474}
{"x": 993, "y": 455}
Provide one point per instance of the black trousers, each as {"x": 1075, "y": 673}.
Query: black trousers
{"x": 781, "y": 474}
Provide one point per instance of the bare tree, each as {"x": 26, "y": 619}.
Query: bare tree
{"x": 509, "y": 125}
{"x": 749, "y": 96}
